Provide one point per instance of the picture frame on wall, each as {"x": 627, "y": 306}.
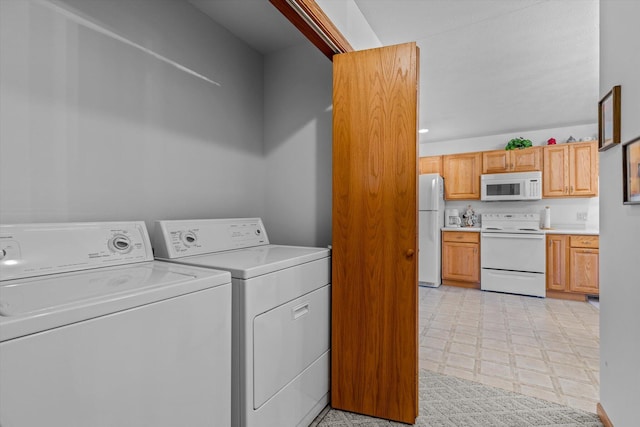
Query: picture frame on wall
{"x": 631, "y": 172}
{"x": 609, "y": 119}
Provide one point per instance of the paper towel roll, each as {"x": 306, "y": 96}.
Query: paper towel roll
{"x": 547, "y": 217}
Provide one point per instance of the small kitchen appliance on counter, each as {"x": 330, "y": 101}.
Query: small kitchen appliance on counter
{"x": 512, "y": 254}
{"x": 452, "y": 218}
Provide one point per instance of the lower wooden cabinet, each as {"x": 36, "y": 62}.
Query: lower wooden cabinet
{"x": 572, "y": 266}
{"x": 461, "y": 258}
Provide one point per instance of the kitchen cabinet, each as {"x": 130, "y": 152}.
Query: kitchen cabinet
{"x": 584, "y": 255}
{"x": 461, "y": 174}
{"x": 431, "y": 164}
{"x": 502, "y": 161}
{"x": 572, "y": 266}
{"x": 461, "y": 258}
{"x": 570, "y": 170}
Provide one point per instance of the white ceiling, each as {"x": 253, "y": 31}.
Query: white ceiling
{"x": 487, "y": 66}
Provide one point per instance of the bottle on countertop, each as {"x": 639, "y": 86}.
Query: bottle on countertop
{"x": 547, "y": 217}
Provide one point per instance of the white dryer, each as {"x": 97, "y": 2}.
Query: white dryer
{"x": 281, "y": 315}
{"x": 94, "y": 332}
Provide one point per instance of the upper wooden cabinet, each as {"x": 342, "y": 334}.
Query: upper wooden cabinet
{"x": 570, "y": 170}
{"x": 501, "y": 161}
{"x": 431, "y": 164}
{"x": 461, "y": 174}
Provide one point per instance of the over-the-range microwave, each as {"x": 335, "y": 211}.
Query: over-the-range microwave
{"x": 511, "y": 186}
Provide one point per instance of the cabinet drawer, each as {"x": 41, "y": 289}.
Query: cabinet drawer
{"x": 461, "y": 236}
{"x": 584, "y": 242}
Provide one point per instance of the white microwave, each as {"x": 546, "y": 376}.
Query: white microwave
{"x": 511, "y": 186}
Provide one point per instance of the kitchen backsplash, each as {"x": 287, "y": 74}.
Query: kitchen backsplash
{"x": 575, "y": 213}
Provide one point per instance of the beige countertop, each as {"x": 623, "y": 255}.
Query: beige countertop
{"x": 559, "y": 230}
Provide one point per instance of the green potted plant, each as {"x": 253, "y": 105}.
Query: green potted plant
{"x": 518, "y": 143}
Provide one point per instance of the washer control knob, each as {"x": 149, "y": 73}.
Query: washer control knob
{"x": 120, "y": 244}
{"x": 189, "y": 238}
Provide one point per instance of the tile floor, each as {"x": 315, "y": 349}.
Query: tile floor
{"x": 544, "y": 348}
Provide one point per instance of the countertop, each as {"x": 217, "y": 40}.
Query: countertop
{"x": 559, "y": 230}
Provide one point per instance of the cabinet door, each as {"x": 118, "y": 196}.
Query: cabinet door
{"x": 497, "y": 161}
{"x": 461, "y": 261}
{"x": 583, "y": 169}
{"x": 461, "y": 174}
{"x": 374, "y": 347}
{"x": 584, "y": 270}
{"x": 431, "y": 164}
{"x": 528, "y": 159}
{"x": 555, "y": 177}
{"x": 557, "y": 262}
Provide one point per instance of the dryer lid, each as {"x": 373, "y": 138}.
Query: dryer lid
{"x": 256, "y": 261}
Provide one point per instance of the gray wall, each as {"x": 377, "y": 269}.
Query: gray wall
{"x": 95, "y": 129}
{"x": 298, "y": 128}
{"x": 619, "y": 224}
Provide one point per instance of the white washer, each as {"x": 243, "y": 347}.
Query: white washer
{"x": 93, "y": 332}
{"x": 281, "y": 315}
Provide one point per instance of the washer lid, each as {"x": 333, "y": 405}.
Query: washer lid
{"x": 256, "y": 261}
{"x": 36, "y": 304}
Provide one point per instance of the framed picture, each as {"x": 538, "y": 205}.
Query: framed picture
{"x": 609, "y": 119}
{"x": 631, "y": 172}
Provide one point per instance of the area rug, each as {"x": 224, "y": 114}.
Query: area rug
{"x": 447, "y": 401}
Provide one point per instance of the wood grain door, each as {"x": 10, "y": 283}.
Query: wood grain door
{"x": 461, "y": 174}
{"x": 555, "y": 176}
{"x": 496, "y": 161}
{"x": 528, "y": 159}
{"x": 374, "y": 354}
{"x": 583, "y": 169}
{"x": 557, "y": 262}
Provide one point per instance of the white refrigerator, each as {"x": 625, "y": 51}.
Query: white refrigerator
{"x": 430, "y": 221}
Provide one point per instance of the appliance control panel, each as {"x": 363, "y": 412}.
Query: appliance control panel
{"x": 511, "y": 221}
{"x": 28, "y": 250}
{"x": 176, "y": 239}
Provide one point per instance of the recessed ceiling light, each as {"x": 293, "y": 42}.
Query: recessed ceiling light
{"x": 423, "y": 131}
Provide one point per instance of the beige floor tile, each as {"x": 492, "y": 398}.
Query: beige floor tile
{"x": 545, "y": 394}
{"x": 530, "y": 363}
{"x": 431, "y": 354}
{"x": 460, "y": 361}
{"x": 466, "y": 349}
{"x": 465, "y": 338}
{"x": 527, "y": 350}
{"x": 495, "y": 382}
{"x": 432, "y": 342}
{"x": 495, "y": 369}
{"x": 494, "y": 344}
{"x": 534, "y": 379}
{"x": 565, "y": 358}
{"x": 544, "y": 348}
{"x": 578, "y": 389}
{"x": 494, "y": 356}
{"x": 437, "y": 333}
{"x": 460, "y": 373}
{"x": 571, "y": 372}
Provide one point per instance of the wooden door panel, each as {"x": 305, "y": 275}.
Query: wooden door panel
{"x": 461, "y": 174}
{"x": 374, "y": 276}
{"x": 431, "y": 164}
{"x": 528, "y": 159}
{"x": 583, "y": 169}
{"x": 495, "y": 161}
{"x": 557, "y": 259}
{"x": 460, "y": 261}
{"x": 584, "y": 270}
{"x": 555, "y": 179}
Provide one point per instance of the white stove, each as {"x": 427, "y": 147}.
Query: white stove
{"x": 513, "y": 254}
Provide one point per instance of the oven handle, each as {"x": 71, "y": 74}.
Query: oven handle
{"x": 512, "y": 236}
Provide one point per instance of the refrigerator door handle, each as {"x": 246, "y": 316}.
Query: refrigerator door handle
{"x": 434, "y": 194}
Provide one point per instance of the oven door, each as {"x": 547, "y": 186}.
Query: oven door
{"x": 513, "y": 252}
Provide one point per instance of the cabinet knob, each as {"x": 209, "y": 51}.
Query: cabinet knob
{"x": 566, "y": 190}
{"x": 410, "y": 253}
{"x": 572, "y": 189}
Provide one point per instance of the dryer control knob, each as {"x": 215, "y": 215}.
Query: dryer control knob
{"x": 120, "y": 244}
{"x": 189, "y": 238}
